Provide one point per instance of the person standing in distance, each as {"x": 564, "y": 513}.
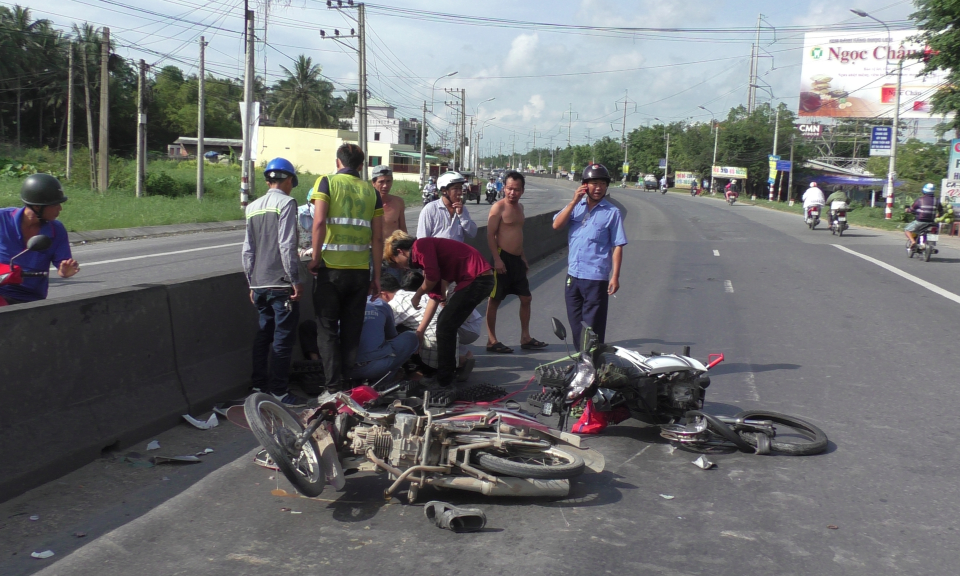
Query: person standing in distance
{"x": 347, "y": 222}
{"x": 42, "y": 197}
{"x": 505, "y": 240}
{"x": 272, "y": 267}
{"x": 447, "y": 217}
{"x": 596, "y": 239}
{"x": 393, "y": 207}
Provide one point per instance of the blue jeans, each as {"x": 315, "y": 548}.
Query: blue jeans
{"x": 401, "y": 348}
{"x": 278, "y": 327}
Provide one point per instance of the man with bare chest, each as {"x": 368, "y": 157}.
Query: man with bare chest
{"x": 393, "y": 206}
{"x": 505, "y": 239}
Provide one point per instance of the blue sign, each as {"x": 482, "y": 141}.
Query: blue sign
{"x": 783, "y": 165}
{"x": 663, "y": 162}
{"x": 881, "y": 140}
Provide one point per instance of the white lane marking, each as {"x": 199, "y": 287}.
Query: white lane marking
{"x": 931, "y": 287}
{"x": 752, "y": 393}
{"x": 728, "y": 286}
{"x": 88, "y": 264}
{"x": 716, "y": 252}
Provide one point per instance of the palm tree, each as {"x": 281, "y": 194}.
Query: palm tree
{"x": 303, "y": 98}
{"x": 21, "y": 29}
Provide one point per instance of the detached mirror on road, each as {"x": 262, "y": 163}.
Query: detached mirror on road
{"x": 559, "y": 329}
{"x": 39, "y": 243}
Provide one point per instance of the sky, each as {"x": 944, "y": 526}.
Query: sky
{"x": 510, "y": 51}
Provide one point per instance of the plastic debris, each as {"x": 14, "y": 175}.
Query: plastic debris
{"x": 703, "y": 463}
{"x": 80, "y": 534}
{"x": 205, "y": 452}
{"x": 34, "y": 517}
{"x": 154, "y": 445}
{"x": 175, "y": 460}
{"x": 210, "y": 422}
{"x": 667, "y": 497}
{"x": 832, "y": 527}
{"x": 164, "y": 479}
{"x": 295, "y": 512}
{"x": 285, "y": 510}
{"x": 42, "y": 555}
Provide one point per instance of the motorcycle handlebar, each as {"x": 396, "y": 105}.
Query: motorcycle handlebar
{"x": 713, "y": 360}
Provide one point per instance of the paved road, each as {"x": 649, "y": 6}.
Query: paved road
{"x": 106, "y": 265}
{"x": 860, "y": 349}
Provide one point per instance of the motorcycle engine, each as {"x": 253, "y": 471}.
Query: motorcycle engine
{"x": 685, "y": 392}
{"x": 406, "y": 441}
{"x": 376, "y": 437}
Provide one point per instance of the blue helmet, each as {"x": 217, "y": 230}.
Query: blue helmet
{"x": 929, "y": 188}
{"x": 280, "y": 168}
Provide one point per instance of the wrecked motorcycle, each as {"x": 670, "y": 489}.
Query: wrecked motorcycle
{"x": 496, "y": 452}
{"x": 666, "y": 390}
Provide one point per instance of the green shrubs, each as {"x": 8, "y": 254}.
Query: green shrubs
{"x": 162, "y": 184}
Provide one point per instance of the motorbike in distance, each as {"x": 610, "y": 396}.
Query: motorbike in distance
{"x": 732, "y": 196}
{"x": 926, "y": 245}
{"x": 491, "y": 195}
{"x": 665, "y": 390}
{"x": 838, "y": 218}
{"x": 813, "y": 215}
{"x": 429, "y": 194}
{"x": 12, "y": 274}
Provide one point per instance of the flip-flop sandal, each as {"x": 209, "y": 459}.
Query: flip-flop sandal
{"x": 499, "y": 348}
{"x": 450, "y": 517}
{"x": 533, "y": 344}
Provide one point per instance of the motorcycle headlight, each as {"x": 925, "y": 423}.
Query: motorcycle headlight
{"x": 582, "y": 380}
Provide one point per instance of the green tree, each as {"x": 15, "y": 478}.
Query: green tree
{"x": 937, "y": 21}
{"x": 303, "y": 98}
{"x": 917, "y": 163}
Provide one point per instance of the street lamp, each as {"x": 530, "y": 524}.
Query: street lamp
{"x": 423, "y": 127}
{"x": 480, "y": 128}
{"x": 476, "y": 115}
{"x": 716, "y": 137}
{"x": 891, "y": 169}
{"x": 666, "y": 163}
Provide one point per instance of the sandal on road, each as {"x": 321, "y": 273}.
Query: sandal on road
{"x": 499, "y": 348}
{"x": 450, "y": 517}
{"x": 533, "y": 344}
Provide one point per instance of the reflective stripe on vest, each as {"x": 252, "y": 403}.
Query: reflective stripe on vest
{"x": 346, "y": 247}
{"x": 349, "y": 222}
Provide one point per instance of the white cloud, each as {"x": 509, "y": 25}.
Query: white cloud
{"x": 534, "y": 108}
{"x": 522, "y": 57}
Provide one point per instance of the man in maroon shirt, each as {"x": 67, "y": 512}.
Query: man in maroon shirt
{"x": 442, "y": 260}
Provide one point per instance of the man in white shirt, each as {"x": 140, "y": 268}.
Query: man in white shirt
{"x": 447, "y": 217}
{"x": 812, "y": 197}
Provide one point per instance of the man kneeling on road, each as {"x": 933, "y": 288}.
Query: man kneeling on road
{"x": 271, "y": 264}
{"x": 382, "y": 350}
{"x": 505, "y": 240}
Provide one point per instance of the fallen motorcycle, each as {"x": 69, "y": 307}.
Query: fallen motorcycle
{"x": 666, "y": 390}
{"x": 496, "y": 452}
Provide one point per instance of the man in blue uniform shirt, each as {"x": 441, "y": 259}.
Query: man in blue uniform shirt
{"x": 596, "y": 239}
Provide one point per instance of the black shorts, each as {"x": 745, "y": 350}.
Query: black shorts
{"x": 514, "y": 281}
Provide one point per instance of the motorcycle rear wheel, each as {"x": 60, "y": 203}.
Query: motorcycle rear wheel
{"x": 927, "y": 253}
{"x": 276, "y": 428}
{"x": 550, "y": 464}
{"x": 812, "y": 440}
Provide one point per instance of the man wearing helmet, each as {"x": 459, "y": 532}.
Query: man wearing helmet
{"x": 430, "y": 190}
{"x": 272, "y": 266}
{"x": 447, "y": 217}
{"x": 926, "y": 209}
{"x": 42, "y": 197}
{"x": 596, "y": 240}
{"x": 812, "y": 197}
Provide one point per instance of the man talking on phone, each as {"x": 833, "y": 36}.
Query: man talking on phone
{"x": 596, "y": 240}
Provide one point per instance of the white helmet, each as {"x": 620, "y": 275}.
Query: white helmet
{"x": 449, "y": 178}
{"x": 813, "y": 184}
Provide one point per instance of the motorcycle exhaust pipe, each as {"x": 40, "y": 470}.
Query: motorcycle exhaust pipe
{"x": 506, "y": 486}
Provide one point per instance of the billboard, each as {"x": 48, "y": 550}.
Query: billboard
{"x": 881, "y": 141}
{"x": 810, "y": 130}
{"x": 732, "y": 172}
{"x": 854, "y": 75}
{"x": 953, "y": 168}
{"x": 684, "y": 178}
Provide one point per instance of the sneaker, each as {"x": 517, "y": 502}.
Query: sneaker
{"x": 288, "y": 399}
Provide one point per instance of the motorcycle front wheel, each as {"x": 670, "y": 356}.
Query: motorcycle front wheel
{"x": 524, "y": 462}
{"x": 277, "y": 429}
{"x": 794, "y": 436}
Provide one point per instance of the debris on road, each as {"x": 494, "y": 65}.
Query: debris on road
{"x": 34, "y": 517}
{"x": 154, "y": 445}
{"x": 450, "y": 517}
{"x": 667, "y": 497}
{"x": 175, "y": 460}
{"x": 703, "y": 463}
{"x": 832, "y": 527}
{"x": 207, "y": 424}
{"x": 79, "y": 534}
{"x": 42, "y": 555}
{"x": 205, "y": 452}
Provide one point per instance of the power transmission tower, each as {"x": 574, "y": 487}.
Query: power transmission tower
{"x": 459, "y": 124}
{"x": 360, "y": 34}
{"x": 69, "y": 110}
{"x": 103, "y": 178}
{"x": 201, "y": 105}
{"x": 141, "y": 129}
{"x": 570, "y": 115}
{"x": 245, "y": 168}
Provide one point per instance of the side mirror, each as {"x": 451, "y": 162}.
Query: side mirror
{"x": 39, "y": 243}
{"x": 558, "y": 329}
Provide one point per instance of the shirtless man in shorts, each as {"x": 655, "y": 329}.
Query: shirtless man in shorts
{"x": 505, "y": 239}
{"x": 393, "y": 207}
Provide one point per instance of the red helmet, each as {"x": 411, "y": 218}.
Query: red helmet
{"x": 595, "y": 172}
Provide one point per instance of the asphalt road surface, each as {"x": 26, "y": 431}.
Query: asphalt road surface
{"x": 106, "y": 265}
{"x": 857, "y": 340}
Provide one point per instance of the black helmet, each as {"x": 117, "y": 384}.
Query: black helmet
{"x": 595, "y": 172}
{"x": 42, "y": 190}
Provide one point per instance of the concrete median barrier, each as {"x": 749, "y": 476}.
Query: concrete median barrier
{"x": 539, "y": 238}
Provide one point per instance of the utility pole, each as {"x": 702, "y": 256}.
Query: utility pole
{"x": 666, "y": 164}
{"x": 141, "y": 129}
{"x": 790, "y": 177}
{"x": 245, "y": 171}
{"x": 361, "y": 35}
{"x": 91, "y": 148}
{"x": 754, "y": 65}
{"x": 470, "y": 139}
{"x": 201, "y": 105}
{"x": 463, "y": 123}
{"x": 623, "y": 137}
{"x": 69, "y": 110}
{"x": 103, "y": 179}
{"x": 892, "y": 171}
{"x": 569, "y": 124}
{"x": 423, "y": 145}
{"x": 776, "y": 133}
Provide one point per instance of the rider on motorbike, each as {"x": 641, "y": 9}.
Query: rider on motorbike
{"x": 926, "y": 208}
{"x": 731, "y": 188}
{"x": 430, "y": 190}
{"x": 491, "y": 188}
{"x": 42, "y": 197}
{"x": 812, "y": 197}
{"x": 837, "y": 201}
